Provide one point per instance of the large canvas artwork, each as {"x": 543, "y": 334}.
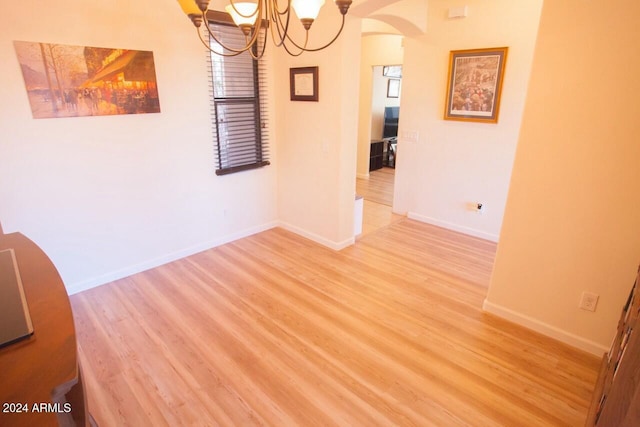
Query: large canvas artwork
{"x": 70, "y": 81}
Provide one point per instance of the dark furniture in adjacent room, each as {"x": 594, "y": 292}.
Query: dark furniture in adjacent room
{"x": 376, "y": 155}
{"x": 391, "y": 145}
{"x": 389, "y": 136}
{"x": 391, "y": 118}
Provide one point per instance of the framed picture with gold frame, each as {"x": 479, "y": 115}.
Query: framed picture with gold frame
{"x": 474, "y": 85}
{"x": 303, "y": 83}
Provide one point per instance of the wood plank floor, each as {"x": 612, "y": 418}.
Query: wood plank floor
{"x": 276, "y": 330}
{"x": 377, "y": 192}
{"x": 379, "y": 187}
{"x": 376, "y": 216}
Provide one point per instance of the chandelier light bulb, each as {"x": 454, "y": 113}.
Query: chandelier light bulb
{"x": 243, "y": 14}
{"x": 307, "y": 9}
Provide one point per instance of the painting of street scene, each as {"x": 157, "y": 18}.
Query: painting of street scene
{"x": 71, "y": 81}
{"x": 475, "y": 83}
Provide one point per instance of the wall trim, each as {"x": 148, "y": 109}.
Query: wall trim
{"x": 336, "y": 246}
{"x": 545, "y": 328}
{"x": 455, "y": 227}
{"x": 84, "y": 285}
{"x": 363, "y": 175}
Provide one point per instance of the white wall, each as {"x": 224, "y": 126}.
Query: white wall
{"x": 108, "y": 196}
{"x": 572, "y": 221}
{"x": 317, "y": 141}
{"x": 455, "y": 164}
{"x": 376, "y": 50}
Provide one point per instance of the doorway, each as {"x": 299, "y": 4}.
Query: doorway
{"x": 377, "y": 188}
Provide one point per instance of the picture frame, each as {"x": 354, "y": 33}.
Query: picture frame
{"x": 393, "y": 88}
{"x": 303, "y": 82}
{"x": 394, "y": 71}
{"x": 64, "y": 81}
{"x": 474, "y": 84}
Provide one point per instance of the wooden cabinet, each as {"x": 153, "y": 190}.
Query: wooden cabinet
{"x": 616, "y": 399}
{"x": 376, "y": 155}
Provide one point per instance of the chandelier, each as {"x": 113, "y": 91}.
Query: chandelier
{"x": 256, "y": 18}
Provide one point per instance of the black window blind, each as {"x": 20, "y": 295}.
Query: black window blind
{"x": 238, "y": 96}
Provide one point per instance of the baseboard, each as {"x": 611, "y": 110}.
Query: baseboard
{"x": 336, "y": 246}
{"x": 544, "y": 328}
{"x": 455, "y": 227}
{"x": 362, "y": 175}
{"x": 84, "y": 285}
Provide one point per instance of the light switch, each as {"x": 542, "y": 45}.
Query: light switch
{"x": 410, "y": 135}
{"x": 458, "y": 12}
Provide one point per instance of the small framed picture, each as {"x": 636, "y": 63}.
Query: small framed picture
{"x": 392, "y": 71}
{"x": 304, "y": 83}
{"x": 475, "y": 84}
{"x": 393, "y": 88}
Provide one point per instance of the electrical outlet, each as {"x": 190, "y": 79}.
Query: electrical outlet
{"x": 589, "y": 301}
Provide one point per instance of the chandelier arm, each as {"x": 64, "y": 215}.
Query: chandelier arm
{"x": 275, "y": 6}
{"x": 305, "y": 49}
{"x": 272, "y": 13}
{"x": 293, "y": 42}
{"x": 255, "y": 32}
{"x": 283, "y": 29}
{"x": 225, "y": 47}
{"x": 264, "y": 47}
{"x": 280, "y": 35}
{"x": 287, "y": 48}
{"x": 204, "y": 42}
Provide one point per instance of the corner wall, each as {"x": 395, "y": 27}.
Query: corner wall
{"x": 317, "y": 141}
{"x": 572, "y": 221}
{"x": 453, "y": 165}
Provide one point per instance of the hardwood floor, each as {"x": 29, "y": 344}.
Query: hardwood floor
{"x": 376, "y": 216}
{"x": 276, "y": 330}
{"x": 377, "y": 192}
{"x": 379, "y": 187}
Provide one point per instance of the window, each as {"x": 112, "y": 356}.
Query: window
{"x": 239, "y": 120}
